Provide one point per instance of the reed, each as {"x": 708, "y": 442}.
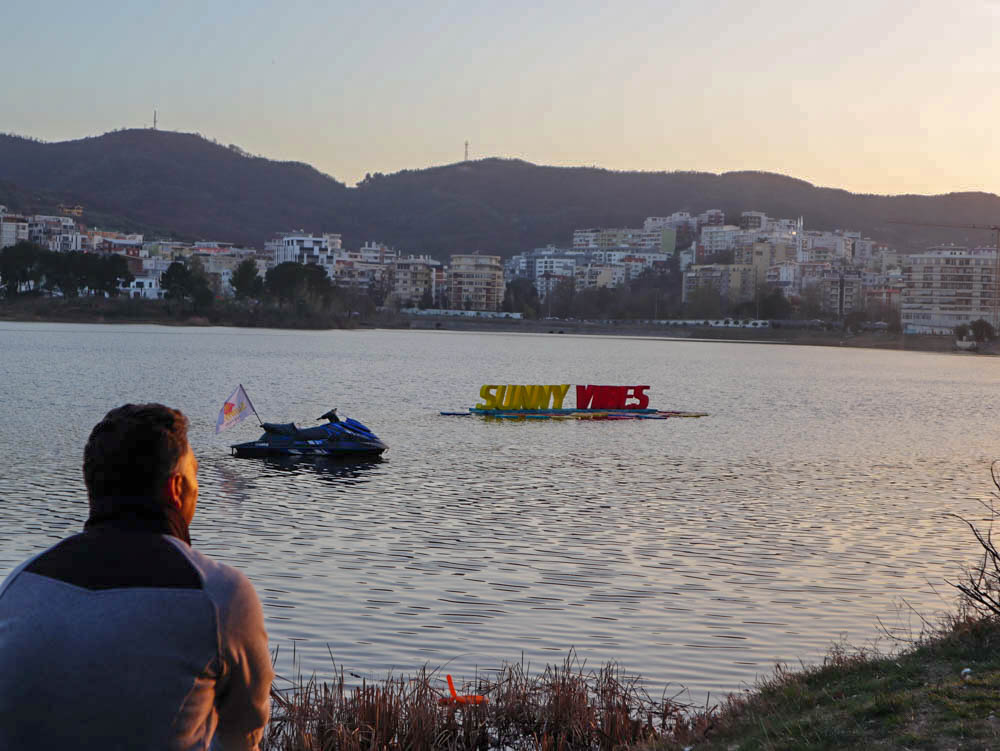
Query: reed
{"x": 563, "y": 707}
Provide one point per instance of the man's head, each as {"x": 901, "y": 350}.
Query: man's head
{"x": 142, "y": 450}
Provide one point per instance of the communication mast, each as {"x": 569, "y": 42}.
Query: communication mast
{"x": 154, "y": 119}
{"x": 466, "y": 151}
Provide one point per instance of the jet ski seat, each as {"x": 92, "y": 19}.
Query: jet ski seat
{"x": 318, "y": 433}
{"x": 281, "y": 428}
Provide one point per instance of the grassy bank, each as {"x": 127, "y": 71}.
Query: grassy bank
{"x": 922, "y": 698}
{"x": 941, "y": 693}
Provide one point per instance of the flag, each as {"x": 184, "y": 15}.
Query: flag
{"x": 235, "y": 408}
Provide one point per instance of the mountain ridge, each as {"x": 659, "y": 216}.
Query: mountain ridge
{"x": 196, "y": 188}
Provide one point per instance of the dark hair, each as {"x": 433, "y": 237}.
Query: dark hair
{"x": 133, "y": 450}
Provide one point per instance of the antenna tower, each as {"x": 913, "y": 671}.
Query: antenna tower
{"x": 154, "y": 119}
{"x": 466, "y": 151}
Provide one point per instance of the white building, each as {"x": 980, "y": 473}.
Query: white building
{"x": 719, "y": 238}
{"x": 784, "y": 276}
{"x": 144, "y": 285}
{"x": 549, "y": 271}
{"x": 712, "y": 217}
{"x": 13, "y": 229}
{"x": 675, "y": 221}
{"x": 307, "y": 249}
{"x": 948, "y": 285}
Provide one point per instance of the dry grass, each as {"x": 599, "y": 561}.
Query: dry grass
{"x": 564, "y": 707}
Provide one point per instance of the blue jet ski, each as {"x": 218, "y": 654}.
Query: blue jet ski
{"x": 337, "y": 439}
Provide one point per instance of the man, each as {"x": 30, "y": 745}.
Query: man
{"x": 123, "y": 636}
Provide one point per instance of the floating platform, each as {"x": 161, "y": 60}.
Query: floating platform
{"x": 574, "y": 414}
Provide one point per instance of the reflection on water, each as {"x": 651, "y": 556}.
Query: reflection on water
{"x": 324, "y": 468}
{"x": 815, "y": 498}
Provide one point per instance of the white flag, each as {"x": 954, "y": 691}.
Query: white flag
{"x": 235, "y": 408}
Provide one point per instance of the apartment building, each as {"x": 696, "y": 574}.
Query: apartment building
{"x": 475, "y": 282}
{"x": 607, "y": 238}
{"x": 592, "y": 275}
{"x": 735, "y": 283}
{"x": 301, "y": 247}
{"x": 841, "y": 292}
{"x": 718, "y": 239}
{"x": 13, "y": 229}
{"x": 413, "y": 277}
{"x": 948, "y": 285}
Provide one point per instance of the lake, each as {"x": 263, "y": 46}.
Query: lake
{"x": 816, "y": 501}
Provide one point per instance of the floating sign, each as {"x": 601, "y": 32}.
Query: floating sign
{"x": 551, "y": 397}
{"x": 515, "y": 396}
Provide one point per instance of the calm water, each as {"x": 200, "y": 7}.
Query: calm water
{"x": 816, "y": 497}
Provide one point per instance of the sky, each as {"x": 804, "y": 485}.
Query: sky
{"x": 889, "y": 96}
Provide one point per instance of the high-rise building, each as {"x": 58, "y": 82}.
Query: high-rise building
{"x": 475, "y": 282}
{"x": 948, "y": 285}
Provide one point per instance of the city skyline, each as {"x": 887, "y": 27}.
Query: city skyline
{"x": 881, "y": 99}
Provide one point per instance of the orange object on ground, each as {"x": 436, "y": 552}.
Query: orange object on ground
{"x": 457, "y": 698}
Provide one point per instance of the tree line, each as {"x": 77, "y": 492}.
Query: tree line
{"x": 27, "y": 268}
{"x": 288, "y": 293}
{"x": 290, "y": 289}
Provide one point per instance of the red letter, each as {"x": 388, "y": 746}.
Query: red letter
{"x": 584, "y": 394}
{"x": 638, "y": 393}
{"x": 621, "y": 394}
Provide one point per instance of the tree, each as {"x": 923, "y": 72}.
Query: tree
{"x": 854, "y": 320}
{"x": 108, "y": 273}
{"x": 521, "y": 296}
{"x": 176, "y": 281}
{"x": 61, "y": 272}
{"x": 283, "y": 281}
{"x": 811, "y": 302}
{"x": 245, "y": 281}
{"x": 961, "y": 331}
{"x": 982, "y": 330}
{"x": 426, "y": 299}
{"x": 561, "y": 303}
{"x": 774, "y": 304}
{"x": 20, "y": 267}
{"x": 704, "y": 302}
{"x": 184, "y": 283}
{"x": 304, "y": 285}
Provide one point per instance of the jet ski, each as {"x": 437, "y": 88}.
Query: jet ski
{"x": 337, "y": 439}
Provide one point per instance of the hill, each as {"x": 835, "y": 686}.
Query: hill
{"x": 186, "y": 185}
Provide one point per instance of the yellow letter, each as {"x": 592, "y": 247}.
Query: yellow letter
{"x": 544, "y": 395}
{"x": 533, "y": 396}
{"x": 558, "y": 394}
{"x": 513, "y": 397}
{"x": 489, "y": 397}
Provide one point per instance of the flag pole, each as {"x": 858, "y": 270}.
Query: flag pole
{"x": 251, "y": 405}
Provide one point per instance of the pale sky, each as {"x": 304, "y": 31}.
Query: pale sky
{"x": 884, "y": 97}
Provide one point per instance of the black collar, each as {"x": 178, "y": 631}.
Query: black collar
{"x": 136, "y": 514}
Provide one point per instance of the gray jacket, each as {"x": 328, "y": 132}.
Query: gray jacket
{"x": 123, "y": 636}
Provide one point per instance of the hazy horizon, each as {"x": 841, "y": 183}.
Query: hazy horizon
{"x": 884, "y": 100}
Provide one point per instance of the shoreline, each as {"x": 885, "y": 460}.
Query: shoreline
{"x": 941, "y": 685}
{"x": 145, "y": 312}
{"x": 796, "y": 337}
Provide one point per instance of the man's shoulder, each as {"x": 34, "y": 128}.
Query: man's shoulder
{"x": 226, "y": 584}
{"x": 20, "y": 568}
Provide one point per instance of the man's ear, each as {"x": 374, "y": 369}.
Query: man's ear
{"x": 173, "y": 490}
